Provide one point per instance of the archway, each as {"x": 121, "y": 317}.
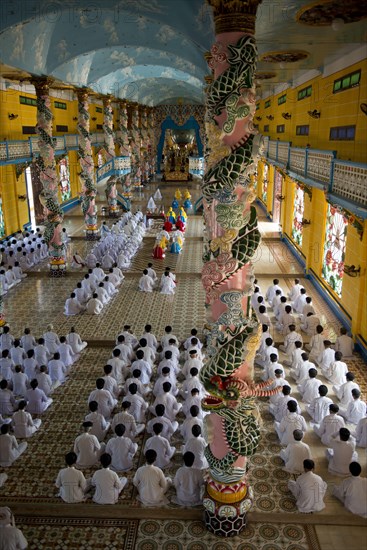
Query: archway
{"x": 169, "y": 124}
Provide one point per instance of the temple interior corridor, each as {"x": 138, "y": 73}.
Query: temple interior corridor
{"x": 46, "y": 521}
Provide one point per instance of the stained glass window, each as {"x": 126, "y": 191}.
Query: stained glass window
{"x": 299, "y": 208}
{"x": 2, "y": 223}
{"x": 334, "y": 249}
{"x": 265, "y": 183}
{"x": 64, "y": 179}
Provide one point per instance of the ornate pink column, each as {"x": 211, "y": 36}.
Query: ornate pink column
{"x": 124, "y": 140}
{"x": 111, "y": 191}
{"x": 227, "y": 275}
{"x": 53, "y": 213}
{"x": 135, "y": 146}
{"x": 87, "y": 176}
{"x": 144, "y": 156}
{"x": 152, "y": 146}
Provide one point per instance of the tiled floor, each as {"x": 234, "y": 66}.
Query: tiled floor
{"x": 40, "y": 299}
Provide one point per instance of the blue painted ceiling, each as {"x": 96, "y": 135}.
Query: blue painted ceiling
{"x": 150, "y": 51}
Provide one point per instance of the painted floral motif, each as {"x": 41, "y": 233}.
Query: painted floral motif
{"x": 334, "y": 249}
{"x": 299, "y": 208}
{"x": 64, "y": 175}
{"x": 2, "y": 223}
{"x": 264, "y": 196}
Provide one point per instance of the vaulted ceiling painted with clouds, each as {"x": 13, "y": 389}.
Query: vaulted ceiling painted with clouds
{"x": 151, "y": 51}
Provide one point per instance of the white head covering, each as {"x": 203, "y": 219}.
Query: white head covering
{"x": 6, "y": 516}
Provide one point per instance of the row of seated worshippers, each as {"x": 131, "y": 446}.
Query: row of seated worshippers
{"x": 94, "y": 291}
{"x": 18, "y": 253}
{"x": 149, "y": 280}
{"x": 30, "y": 371}
{"x": 117, "y": 245}
{"x": 138, "y": 371}
{"x": 332, "y": 399}
{"x": 26, "y": 248}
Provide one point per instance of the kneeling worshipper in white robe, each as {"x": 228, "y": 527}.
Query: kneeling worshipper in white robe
{"x": 77, "y": 261}
{"x": 168, "y": 286}
{"x": 121, "y": 449}
{"x": 107, "y": 483}
{"x": 73, "y": 306}
{"x": 197, "y": 445}
{"x": 100, "y": 425}
{"x": 151, "y": 482}
{"x": 161, "y": 446}
{"x": 74, "y": 340}
{"x": 341, "y": 452}
{"x": 51, "y": 339}
{"x": 10, "y": 449}
{"x": 157, "y": 195}
{"x": 22, "y": 422}
{"x": 146, "y": 283}
{"x": 309, "y": 489}
{"x": 87, "y": 447}
{"x": 352, "y": 492}
{"x": 37, "y": 400}
{"x": 361, "y": 433}
{"x": 72, "y": 485}
{"x": 295, "y": 453}
{"x": 11, "y": 538}
{"x": 94, "y": 306}
{"x": 151, "y": 206}
{"x": 106, "y": 402}
{"x": 188, "y": 483}
{"x": 67, "y": 356}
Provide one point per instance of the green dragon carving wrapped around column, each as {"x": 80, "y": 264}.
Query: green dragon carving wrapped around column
{"x": 135, "y": 174}
{"x": 54, "y": 215}
{"x": 233, "y": 332}
{"x": 89, "y": 189}
{"x": 111, "y": 192}
{"x": 124, "y": 145}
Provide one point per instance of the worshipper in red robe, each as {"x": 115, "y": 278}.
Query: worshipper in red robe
{"x": 180, "y": 226}
{"x": 168, "y": 226}
{"x": 158, "y": 253}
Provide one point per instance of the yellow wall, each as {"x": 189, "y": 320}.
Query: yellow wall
{"x": 340, "y": 109}
{"x": 16, "y": 213}
{"x": 354, "y": 291}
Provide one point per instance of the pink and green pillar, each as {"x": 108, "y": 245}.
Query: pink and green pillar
{"x": 227, "y": 275}
{"x": 53, "y": 213}
{"x": 87, "y": 175}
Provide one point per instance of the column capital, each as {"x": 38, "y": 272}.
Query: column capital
{"x": 208, "y": 56}
{"x": 107, "y": 100}
{"x": 82, "y": 93}
{"x": 42, "y": 84}
{"x": 234, "y": 15}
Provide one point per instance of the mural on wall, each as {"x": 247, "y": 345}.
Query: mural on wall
{"x": 278, "y": 186}
{"x": 334, "y": 249}
{"x": 2, "y": 223}
{"x": 64, "y": 175}
{"x": 299, "y": 208}
{"x": 264, "y": 195}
